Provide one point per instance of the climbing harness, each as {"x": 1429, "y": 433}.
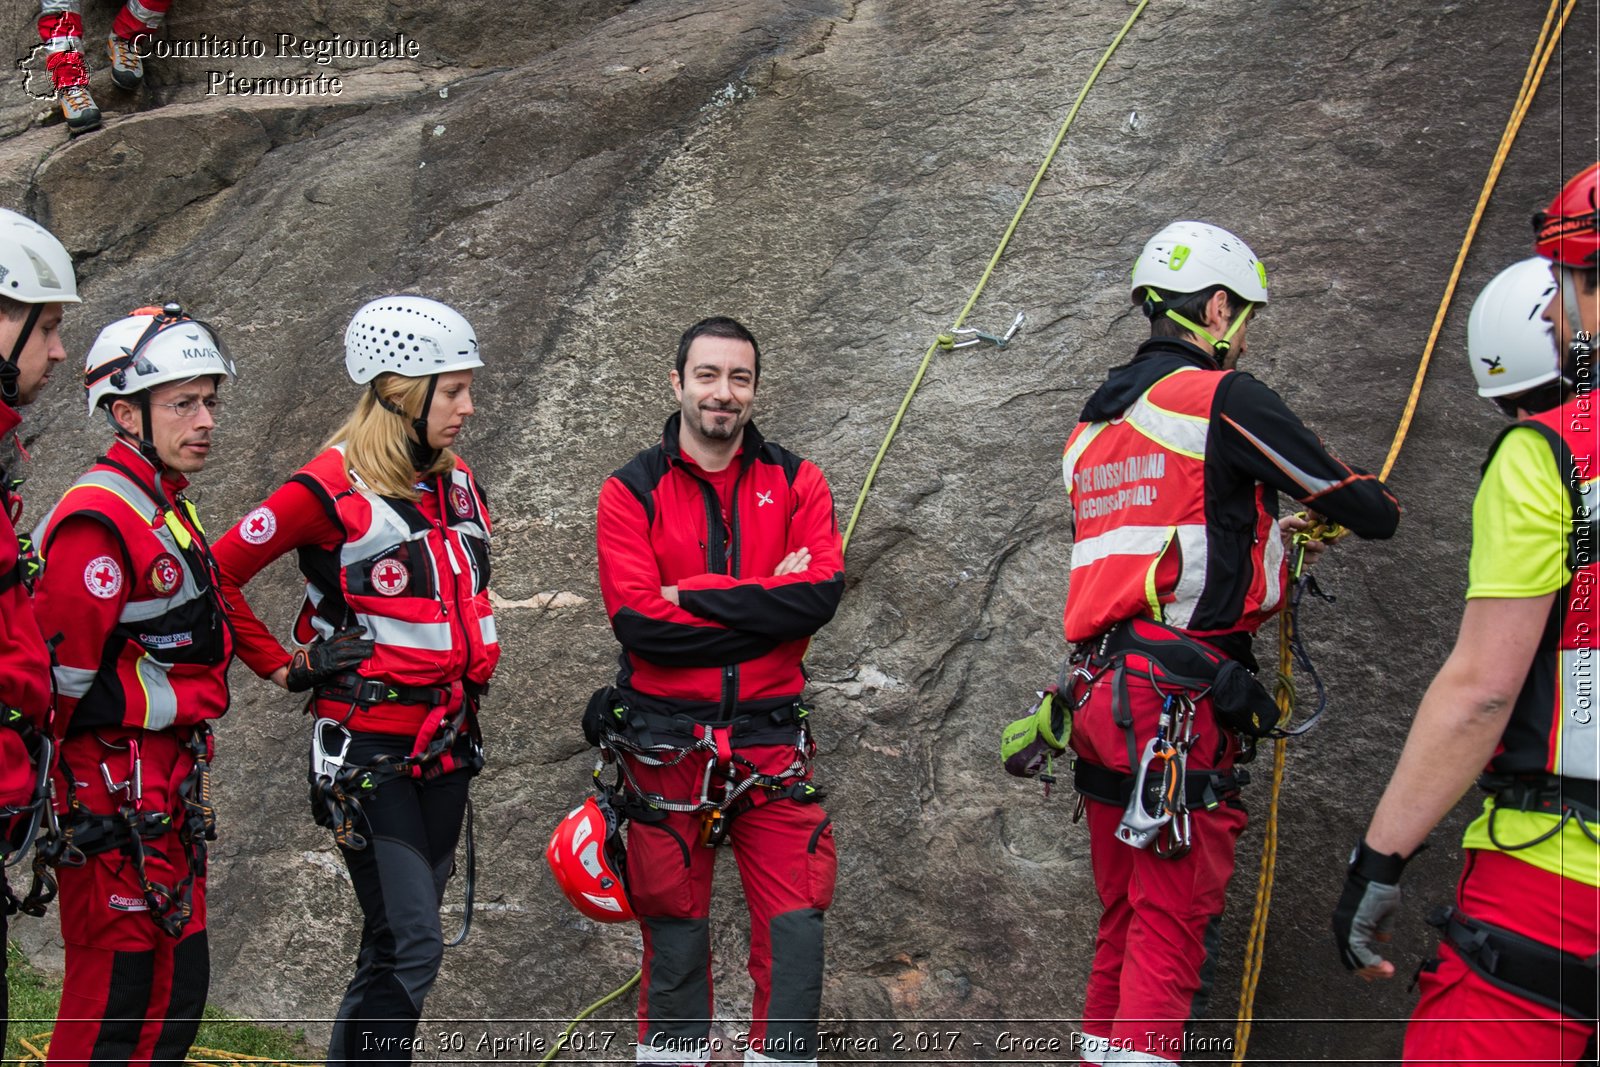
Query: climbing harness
{"x": 729, "y": 784}
{"x": 339, "y": 787}
{"x": 1544, "y": 48}
{"x": 83, "y": 833}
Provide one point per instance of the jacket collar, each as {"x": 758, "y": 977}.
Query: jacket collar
{"x": 748, "y": 447}
{"x": 132, "y": 462}
{"x": 1155, "y": 359}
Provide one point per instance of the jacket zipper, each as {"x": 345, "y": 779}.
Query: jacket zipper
{"x": 455, "y": 580}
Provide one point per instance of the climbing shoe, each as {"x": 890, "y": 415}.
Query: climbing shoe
{"x": 79, "y": 109}
{"x": 127, "y": 68}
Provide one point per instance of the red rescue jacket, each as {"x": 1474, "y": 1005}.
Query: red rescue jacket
{"x": 737, "y": 634}
{"x": 144, "y": 640}
{"x": 24, "y": 658}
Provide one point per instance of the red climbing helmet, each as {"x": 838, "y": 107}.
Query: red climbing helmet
{"x": 586, "y": 856}
{"x": 1568, "y": 231}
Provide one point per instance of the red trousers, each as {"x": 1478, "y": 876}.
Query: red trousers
{"x": 132, "y": 993}
{"x": 1464, "y": 1019}
{"x": 61, "y": 29}
{"x": 784, "y": 849}
{"x": 1156, "y": 914}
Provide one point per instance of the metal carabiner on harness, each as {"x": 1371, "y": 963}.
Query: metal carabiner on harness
{"x": 330, "y": 743}
{"x": 132, "y": 788}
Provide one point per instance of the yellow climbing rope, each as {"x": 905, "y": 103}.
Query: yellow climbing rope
{"x": 1549, "y": 40}
{"x": 561, "y": 1041}
{"x": 945, "y": 340}
{"x": 37, "y": 1047}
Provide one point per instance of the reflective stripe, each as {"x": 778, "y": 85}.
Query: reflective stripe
{"x": 662, "y": 1048}
{"x": 1313, "y": 486}
{"x": 73, "y": 682}
{"x": 751, "y": 1056}
{"x": 61, "y": 7}
{"x": 1124, "y": 541}
{"x": 1271, "y": 565}
{"x": 487, "y": 631}
{"x": 1579, "y": 752}
{"x": 1193, "y": 543}
{"x": 1120, "y": 1056}
{"x": 1074, "y": 452}
{"x": 64, "y": 44}
{"x": 421, "y": 636}
{"x": 161, "y": 702}
{"x": 151, "y": 19}
{"x": 1093, "y": 1048}
{"x": 386, "y": 530}
{"x": 1172, "y": 430}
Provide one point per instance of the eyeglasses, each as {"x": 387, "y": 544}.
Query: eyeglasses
{"x": 188, "y": 409}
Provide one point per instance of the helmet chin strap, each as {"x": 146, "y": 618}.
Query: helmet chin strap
{"x": 10, "y": 372}
{"x": 1219, "y": 345}
{"x": 1580, "y": 346}
{"x": 423, "y": 455}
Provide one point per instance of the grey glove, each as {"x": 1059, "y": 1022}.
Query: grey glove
{"x": 1364, "y": 917}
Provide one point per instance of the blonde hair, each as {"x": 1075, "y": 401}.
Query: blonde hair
{"x": 377, "y": 442}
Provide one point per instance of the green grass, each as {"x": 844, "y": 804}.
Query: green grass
{"x": 34, "y": 999}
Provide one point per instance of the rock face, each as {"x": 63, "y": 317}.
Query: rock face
{"x": 583, "y": 180}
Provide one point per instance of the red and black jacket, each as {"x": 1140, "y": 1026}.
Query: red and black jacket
{"x": 737, "y": 636}
{"x": 1254, "y": 448}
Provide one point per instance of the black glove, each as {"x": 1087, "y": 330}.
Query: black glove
{"x": 325, "y": 658}
{"x": 1364, "y": 917}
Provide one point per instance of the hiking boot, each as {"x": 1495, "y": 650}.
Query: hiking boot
{"x": 127, "y": 67}
{"x": 79, "y": 109}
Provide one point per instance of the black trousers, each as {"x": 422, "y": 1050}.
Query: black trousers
{"x": 412, "y": 826}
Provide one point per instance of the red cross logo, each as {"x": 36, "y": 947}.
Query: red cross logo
{"x": 460, "y": 501}
{"x": 390, "y": 577}
{"x": 103, "y": 577}
{"x": 258, "y": 527}
{"x": 164, "y": 574}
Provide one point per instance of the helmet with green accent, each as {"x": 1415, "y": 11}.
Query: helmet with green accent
{"x": 1509, "y": 344}
{"x": 1189, "y": 257}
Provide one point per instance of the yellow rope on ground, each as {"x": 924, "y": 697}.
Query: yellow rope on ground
{"x": 37, "y": 1047}
{"x": 1005, "y": 239}
{"x": 1255, "y": 948}
{"x": 586, "y": 1012}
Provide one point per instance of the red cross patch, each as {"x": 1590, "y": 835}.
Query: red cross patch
{"x": 460, "y": 501}
{"x": 258, "y": 526}
{"x": 390, "y": 577}
{"x": 165, "y": 577}
{"x": 103, "y": 577}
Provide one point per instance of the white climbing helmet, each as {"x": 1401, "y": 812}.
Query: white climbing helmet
{"x": 1510, "y": 346}
{"x": 1188, "y": 257}
{"x": 410, "y": 336}
{"x": 151, "y": 347}
{"x": 34, "y": 267}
